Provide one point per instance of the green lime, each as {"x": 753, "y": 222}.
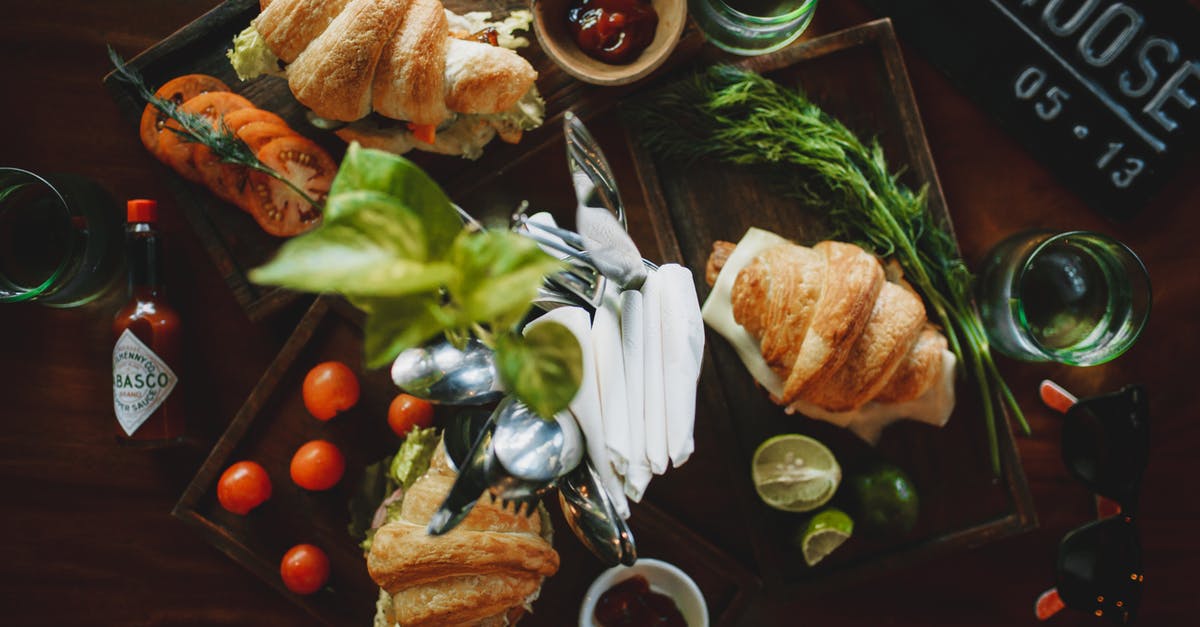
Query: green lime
{"x": 825, "y": 531}
{"x": 794, "y": 473}
{"x": 886, "y": 499}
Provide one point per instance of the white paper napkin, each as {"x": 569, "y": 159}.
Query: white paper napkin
{"x": 637, "y": 475}
{"x": 586, "y": 404}
{"x": 655, "y": 399}
{"x": 682, "y": 352}
{"x": 610, "y": 372}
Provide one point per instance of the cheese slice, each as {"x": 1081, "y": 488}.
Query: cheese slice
{"x": 932, "y": 407}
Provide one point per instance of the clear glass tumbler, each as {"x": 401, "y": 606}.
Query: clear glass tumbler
{"x": 751, "y": 27}
{"x": 1077, "y": 298}
{"x": 60, "y": 239}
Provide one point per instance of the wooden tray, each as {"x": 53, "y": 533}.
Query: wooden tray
{"x": 273, "y": 423}
{"x": 232, "y": 238}
{"x": 858, "y": 76}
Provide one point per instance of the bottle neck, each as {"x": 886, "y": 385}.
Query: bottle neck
{"x": 143, "y": 255}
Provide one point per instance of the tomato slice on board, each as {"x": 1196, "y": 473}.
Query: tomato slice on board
{"x": 178, "y": 90}
{"x": 278, "y": 209}
{"x": 259, "y": 134}
{"x": 238, "y": 118}
{"x": 211, "y": 106}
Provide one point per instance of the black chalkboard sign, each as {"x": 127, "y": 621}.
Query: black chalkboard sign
{"x": 1106, "y": 94}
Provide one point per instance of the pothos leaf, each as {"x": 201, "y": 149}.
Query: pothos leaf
{"x": 396, "y": 324}
{"x": 542, "y": 368}
{"x": 500, "y": 275}
{"x": 365, "y": 169}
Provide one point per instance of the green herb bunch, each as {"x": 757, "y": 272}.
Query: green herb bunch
{"x": 222, "y": 141}
{"x": 392, "y": 243}
{"x": 737, "y": 116}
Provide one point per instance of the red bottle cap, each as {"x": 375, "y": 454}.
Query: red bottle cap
{"x": 141, "y": 210}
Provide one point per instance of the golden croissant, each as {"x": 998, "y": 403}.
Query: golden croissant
{"x": 832, "y": 326}
{"x": 348, "y": 58}
{"x": 483, "y": 572}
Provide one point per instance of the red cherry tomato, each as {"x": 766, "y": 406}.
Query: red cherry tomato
{"x": 318, "y": 465}
{"x": 304, "y": 569}
{"x": 243, "y": 486}
{"x": 329, "y": 389}
{"x": 407, "y": 412}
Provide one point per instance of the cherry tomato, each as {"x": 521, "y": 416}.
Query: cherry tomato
{"x": 318, "y": 465}
{"x": 407, "y": 412}
{"x": 329, "y": 389}
{"x": 243, "y": 486}
{"x": 304, "y": 569}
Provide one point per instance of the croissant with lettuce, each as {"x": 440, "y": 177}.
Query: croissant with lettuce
{"x": 484, "y": 572}
{"x": 403, "y": 73}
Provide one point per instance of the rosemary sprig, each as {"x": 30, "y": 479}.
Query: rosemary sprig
{"x": 736, "y": 116}
{"x": 222, "y": 141}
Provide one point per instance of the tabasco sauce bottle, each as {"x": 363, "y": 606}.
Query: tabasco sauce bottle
{"x": 147, "y": 331}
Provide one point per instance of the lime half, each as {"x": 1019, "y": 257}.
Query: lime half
{"x": 826, "y": 531}
{"x": 794, "y": 473}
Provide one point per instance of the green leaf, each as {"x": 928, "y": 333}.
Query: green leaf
{"x": 396, "y": 324}
{"x": 501, "y": 273}
{"x": 543, "y": 368}
{"x": 383, "y": 218}
{"x": 365, "y": 169}
{"x": 361, "y": 254}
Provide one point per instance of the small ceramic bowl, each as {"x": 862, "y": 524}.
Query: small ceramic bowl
{"x": 550, "y": 26}
{"x": 664, "y": 578}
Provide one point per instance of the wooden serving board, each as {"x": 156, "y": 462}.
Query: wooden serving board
{"x": 273, "y": 423}
{"x": 858, "y": 76}
{"x": 232, "y": 238}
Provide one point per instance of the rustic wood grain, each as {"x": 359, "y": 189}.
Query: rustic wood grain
{"x": 88, "y": 535}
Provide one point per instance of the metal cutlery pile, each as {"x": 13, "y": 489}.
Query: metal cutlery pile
{"x": 513, "y": 454}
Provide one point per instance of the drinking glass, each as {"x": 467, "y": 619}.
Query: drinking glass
{"x": 1077, "y": 298}
{"x": 60, "y": 239}
{"x": 751, "y": 27}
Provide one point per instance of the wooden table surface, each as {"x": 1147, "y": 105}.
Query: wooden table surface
{"x": 86, "y": 526}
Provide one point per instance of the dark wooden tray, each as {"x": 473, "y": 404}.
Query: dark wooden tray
{"x": 857, "y": 75}
{"x": 231, "y": 237}
{"x": 273, "y": 423}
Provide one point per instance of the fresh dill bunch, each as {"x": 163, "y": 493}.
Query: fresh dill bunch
{"x": 735, "y": 116}
{"x": 222, "y": 141}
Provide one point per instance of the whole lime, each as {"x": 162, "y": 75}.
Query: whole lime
{"x": 886, "y": 500}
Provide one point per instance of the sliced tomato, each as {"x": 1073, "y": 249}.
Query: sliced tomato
{"x": 238, "y": 118}
{"x": 424, "y": 132}
{"x": 178, "y": 151}
{"x": 178, "y": 90}
{"x": 259, "y": 134}
{"x": 278, "y": 209}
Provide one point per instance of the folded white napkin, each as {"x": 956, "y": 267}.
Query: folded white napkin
{"x": 610, "y": 373}
{"x": 655, "y": 398}
{"x": 682, "y": 352}
{"x": 586, "y": 404}
{"x": 637, "y": 474}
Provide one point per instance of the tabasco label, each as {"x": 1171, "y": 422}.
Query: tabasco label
{"x": 141, "y": 382}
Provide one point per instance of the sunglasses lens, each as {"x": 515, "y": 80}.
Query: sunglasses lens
{"x": 1106, "y": 442}
{"x": 1100, "y": 569}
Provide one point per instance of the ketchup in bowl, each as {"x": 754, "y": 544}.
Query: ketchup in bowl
{"x": 631, "y": 603}
{"x": 613, "y": 31}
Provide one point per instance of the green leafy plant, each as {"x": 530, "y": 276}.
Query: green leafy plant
{"x": 736, "y": 116}
{"x": 392, "y": 244}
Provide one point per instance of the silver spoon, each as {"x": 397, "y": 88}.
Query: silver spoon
{"x": 533, "y": 448}
{"x": 591, "y": 516}
{"x": 439, "y": 372}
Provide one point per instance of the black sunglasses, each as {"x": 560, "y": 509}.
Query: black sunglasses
{"x": 1105, "y": 444}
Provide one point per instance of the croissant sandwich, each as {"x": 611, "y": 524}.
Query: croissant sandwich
{"x": 484, "y": 572}
{"x": 402, "y": 73}
{"x": 833, "y": 335}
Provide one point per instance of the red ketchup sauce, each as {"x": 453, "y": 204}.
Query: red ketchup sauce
{"x": 613, "y": 31}
{"x": 631, "y": 603}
